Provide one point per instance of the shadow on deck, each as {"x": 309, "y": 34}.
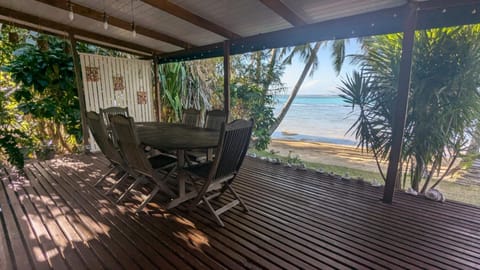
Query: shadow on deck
{"x": 54, "y": 218}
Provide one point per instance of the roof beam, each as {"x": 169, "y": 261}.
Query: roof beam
{"x": 380, "y": 22}
{"x": 79, "y": 33}
{"x": 192, "y": 18}
{"x": 285, "y": 12}
{"x": 117, "y": 22}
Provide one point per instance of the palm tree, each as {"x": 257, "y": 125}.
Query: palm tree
{"x": 309, "y": 55}
{"x": 444, "y": 102}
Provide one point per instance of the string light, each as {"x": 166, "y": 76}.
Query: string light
{"x": 105, "y": 17}
{"x": 474, "y": 11}
{"x": 105, "y": 21}
{"x": 71, "y": 16}
{"x": 134, "y": 30}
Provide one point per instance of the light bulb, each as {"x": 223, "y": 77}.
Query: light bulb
{"x": 134, "y": 31}
{"x": 70, "y": 15}
{"x": 105, "y": 21}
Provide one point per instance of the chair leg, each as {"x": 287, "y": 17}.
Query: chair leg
{"x": 148, "y": 199}
{"x": 115, "y": 185}
{"x": 162, "y": 183}
{"x": 134, "y": 184}
{"x": 212, "y": 211}
{"x": 237, "y": 197}
{"x": 105, "y": 176}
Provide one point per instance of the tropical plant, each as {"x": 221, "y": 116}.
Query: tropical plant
{"x": 255, "y": 80}
{"x": 13, "y": 138}
{"x": 444, "y": 102}
{"x": 46, "y": 92}
{"x": 187, "y": 85}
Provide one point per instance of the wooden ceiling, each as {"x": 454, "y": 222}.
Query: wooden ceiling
{"x": 191, "y": 29}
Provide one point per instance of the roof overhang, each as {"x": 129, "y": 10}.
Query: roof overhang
{"x": 177, "y": 30}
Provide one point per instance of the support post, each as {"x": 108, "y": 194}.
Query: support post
{"x": 226, "y": 78}
{"x": 400, "y": 112}
{"x": 156, "y": 89}
{"x": 80, "y": 92}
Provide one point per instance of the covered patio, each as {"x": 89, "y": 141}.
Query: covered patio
{"x": 54, "y": 218}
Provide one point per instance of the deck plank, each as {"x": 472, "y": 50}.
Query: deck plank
{"x": 297, "y": 219}
{"x": 121, "y": 248}
{"x": 20, "y": 233}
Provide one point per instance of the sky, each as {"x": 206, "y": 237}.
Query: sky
{"x": 325, "y": 80}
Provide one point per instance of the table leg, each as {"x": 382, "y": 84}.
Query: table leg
{"x": 181, "y": 174}
{"x": 181, "y": 177}
{"x": 209, "y": 154}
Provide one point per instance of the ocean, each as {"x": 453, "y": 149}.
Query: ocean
{"x": 316, "y": 119}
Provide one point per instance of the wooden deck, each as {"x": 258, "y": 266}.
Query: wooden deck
{"x": 54, "y": 218}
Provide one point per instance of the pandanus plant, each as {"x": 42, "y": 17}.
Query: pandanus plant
{"x": 444, "y": 100}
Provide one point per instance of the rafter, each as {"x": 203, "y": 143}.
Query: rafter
{"x": 117, "y": 22}
{"x": 188, "y": 16}
{"x": 285, "y": 12}
{"x": 79, "y": 33}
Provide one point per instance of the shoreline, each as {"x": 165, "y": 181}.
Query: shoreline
{"x": 326, "y": 153}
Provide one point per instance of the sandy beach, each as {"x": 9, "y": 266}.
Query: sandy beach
{"x": 326, "y": 153}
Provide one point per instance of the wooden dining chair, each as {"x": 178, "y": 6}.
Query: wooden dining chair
{"x": 213, "y": 120}
{"x": 156, "y": 169}
{"x": 191, "y": 117}
{"x": 214, "y": 178}
{"x": 107, "y": 113}
{"x": 99, "y": 132}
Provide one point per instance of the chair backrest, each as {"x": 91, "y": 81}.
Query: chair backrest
{"x": 125, "y": 132}
{"x": 191, "y": 117}
{"x": 99, "y": 132}
{"x": 214, "y": 119}
{"x": 108, "y": 112}
{"x": 231, "y": 150}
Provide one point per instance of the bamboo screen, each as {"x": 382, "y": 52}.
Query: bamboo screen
{"x": 112, "y": 81}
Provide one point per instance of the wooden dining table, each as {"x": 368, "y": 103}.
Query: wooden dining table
{"x": 177, "y": 137}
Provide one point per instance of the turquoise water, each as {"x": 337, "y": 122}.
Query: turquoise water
{"x": 317, "y": 119}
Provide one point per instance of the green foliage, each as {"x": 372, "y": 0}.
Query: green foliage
{"x": 173, "y": 83}
{"x": 186, "y": 85}
{"x": 46, "y": 91}
{"x": 255, "y": 80}
{"x": 444, "y": 103}
{"x": 250, "y": 101}
{"x": 12, "y": 137}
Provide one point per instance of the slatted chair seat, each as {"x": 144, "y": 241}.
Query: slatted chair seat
{"x": 99, "y": 132}
{"x": 156, "y": 169}
{"x": 214, "y": 178}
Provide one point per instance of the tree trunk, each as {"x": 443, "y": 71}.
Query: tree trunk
{"x": 417, "y": 175}
{"x": 295, "y": 90}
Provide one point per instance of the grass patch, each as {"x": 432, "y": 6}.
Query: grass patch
{"x": 461, "y": 193}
